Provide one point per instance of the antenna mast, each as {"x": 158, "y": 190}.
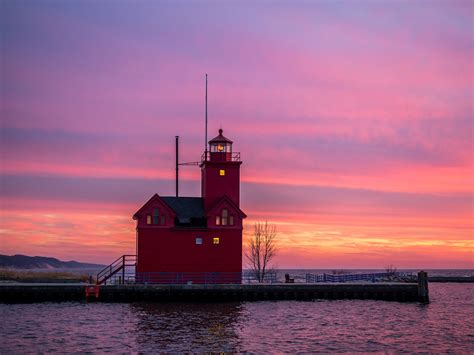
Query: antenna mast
{"x": 205, "y": 135}
{"x": 177, "y": 165}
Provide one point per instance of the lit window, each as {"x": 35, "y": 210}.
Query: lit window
{"x": 215, "y": 240}
{"x": 222, "y": 172}
{"x": 156, "y": 215}
{"x": 163, "y": 220}
{"x": 198, "y": 241}
{"x": 148, "y": 219}
{"x": 224, "y": 217}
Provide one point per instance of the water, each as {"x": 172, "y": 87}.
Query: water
{"x": 445, "y": 325}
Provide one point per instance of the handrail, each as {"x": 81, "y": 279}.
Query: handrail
{"x": 116, "y": 266}
{"x": 107, "y": 267}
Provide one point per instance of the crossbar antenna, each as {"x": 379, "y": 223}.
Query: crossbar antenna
{"x": 178, "y": 164}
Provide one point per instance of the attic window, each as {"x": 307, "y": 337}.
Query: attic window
{"x": 156, "y": 215}
{"x": 148, "y": 219}
{"x": 224, "y": 219}
{"x": 163, "y": 220}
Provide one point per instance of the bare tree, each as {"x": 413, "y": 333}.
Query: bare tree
{"x": 261, "y": 249}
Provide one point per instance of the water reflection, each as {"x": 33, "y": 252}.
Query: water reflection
{"x": 445, "y": 325}
{"x": 196, "y": 327}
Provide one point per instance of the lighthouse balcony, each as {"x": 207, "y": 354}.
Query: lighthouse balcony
{"x": 220, "y": 156}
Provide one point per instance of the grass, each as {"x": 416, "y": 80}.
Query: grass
{"x": 40, "y": 276}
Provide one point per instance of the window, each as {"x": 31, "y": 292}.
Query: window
{"x": 148, "y": 219}
{"x": 224, "y": 217}
{"x": 222, "y": 172}
{"x": 198, "y": 241}
{"x": 215, "y": 240}
{"x": 163, "y": 220}
{"x": 221, "y": 147}
{"x": 156, "y": 215}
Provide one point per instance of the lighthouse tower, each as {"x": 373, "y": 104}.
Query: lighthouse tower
{"x": 220, "y": 172}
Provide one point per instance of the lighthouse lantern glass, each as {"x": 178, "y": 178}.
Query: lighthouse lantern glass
{"x": 221, "y": 147}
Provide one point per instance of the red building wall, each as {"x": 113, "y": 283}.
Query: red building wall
{"x": 214, "y": 185}
{"x": 170, "y": 250}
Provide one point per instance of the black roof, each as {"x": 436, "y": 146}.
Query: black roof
{"x": 186, "y": 207}
{"x": 220, "y": 138}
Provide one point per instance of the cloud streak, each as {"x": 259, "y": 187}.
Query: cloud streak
{"x": 354, "y": 123}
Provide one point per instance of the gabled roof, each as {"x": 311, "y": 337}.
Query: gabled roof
{"x": 226, "y": 200}
{"x": 186, "y": 207}
{"x": 155, "y": 198}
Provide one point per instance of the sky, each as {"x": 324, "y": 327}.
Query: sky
{"x": 354, "y": 120}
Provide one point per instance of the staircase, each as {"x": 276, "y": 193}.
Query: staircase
{"x": 117, "y": 270}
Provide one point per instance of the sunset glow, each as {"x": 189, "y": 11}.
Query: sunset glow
{"x": 353, "y": 120}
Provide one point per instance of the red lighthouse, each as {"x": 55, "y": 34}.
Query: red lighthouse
{"x": 195, "y": 239}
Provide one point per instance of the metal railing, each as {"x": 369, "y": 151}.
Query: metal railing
{"x": 188, "y": 278}
{"x": 119, "y": 265}
{"x": 251, "y": 277}
{"x": 128, "y": 276}
{"x": 374, "y": 277}
{"x": 224, "y": 156}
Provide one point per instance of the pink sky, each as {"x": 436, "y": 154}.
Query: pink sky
{"x": 353, "y": 119}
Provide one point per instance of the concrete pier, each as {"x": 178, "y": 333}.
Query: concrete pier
{"x": 27, "y": 293}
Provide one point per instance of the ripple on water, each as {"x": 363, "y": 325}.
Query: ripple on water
{"x": 284, "y": 326}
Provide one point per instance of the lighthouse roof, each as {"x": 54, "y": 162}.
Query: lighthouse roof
{"x": 186, "y": 207}
{"x": 220, "y": 138}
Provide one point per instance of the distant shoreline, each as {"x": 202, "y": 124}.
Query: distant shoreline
{"x": 44, "y": 276}
{"x": 24, "y": 262}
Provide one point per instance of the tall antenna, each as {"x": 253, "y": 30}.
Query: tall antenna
{"x": 177, "y": 166}
{"x": 205, "y": 135}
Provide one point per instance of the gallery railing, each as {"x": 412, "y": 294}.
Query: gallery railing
{"x": 216, "y": 156}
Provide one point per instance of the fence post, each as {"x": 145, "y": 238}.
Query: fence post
{"x": 123, "y": 269}
{"x": 423, "y": 294}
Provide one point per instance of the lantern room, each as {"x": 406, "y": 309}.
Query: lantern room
{"x": 220, "y": 148}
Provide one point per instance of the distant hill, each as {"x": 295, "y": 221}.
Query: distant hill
{"x": 41, "y": 262}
